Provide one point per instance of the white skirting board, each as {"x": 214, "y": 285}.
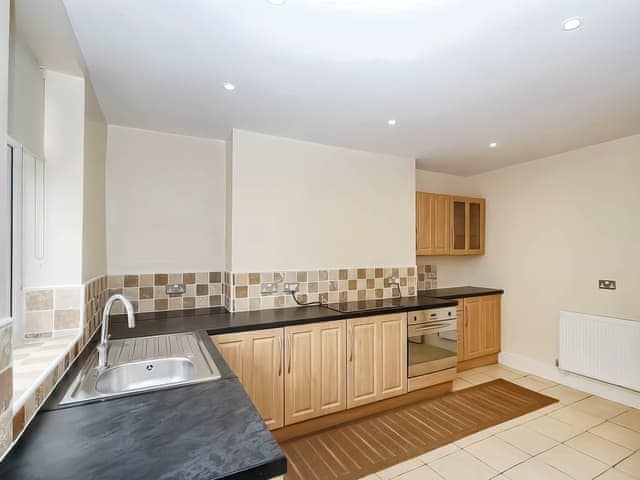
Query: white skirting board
{"x": 602, "y": 348}
{"x": 551, "y": 372}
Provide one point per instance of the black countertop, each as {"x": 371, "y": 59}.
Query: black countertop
{"x": 218, "y": 320}
{"x": 204, "y": 431}
{"x": 459, "y": 292}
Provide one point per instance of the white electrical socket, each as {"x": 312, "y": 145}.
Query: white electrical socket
{"x": 291, "y": 287}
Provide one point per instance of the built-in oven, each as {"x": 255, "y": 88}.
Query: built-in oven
{"x": 432, "y": 341}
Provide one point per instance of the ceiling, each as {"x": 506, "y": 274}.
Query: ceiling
{"x": 455, "y": 74}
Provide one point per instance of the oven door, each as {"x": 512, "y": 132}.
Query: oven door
{"x": 431, "y": 347}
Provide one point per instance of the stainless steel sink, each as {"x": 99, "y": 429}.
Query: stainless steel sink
{"x": 143, "y": 364}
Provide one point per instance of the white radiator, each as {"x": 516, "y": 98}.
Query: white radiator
{"x": 603, "y": 348}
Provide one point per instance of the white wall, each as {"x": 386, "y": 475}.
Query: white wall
{"x": 302, "y": 205}
{"x": 165, "y": 202}
{"x": 26, "y": 96}
{"x": 5, "y": 221}
{"x": 63, "y": 152}
{"x": 554, "y": 227}
{"x": 94, "y": 235}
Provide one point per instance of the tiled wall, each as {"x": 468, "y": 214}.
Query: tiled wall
{"x": 61, "y": 299}
{"x": 52, "y": 309}
{"x": 6, "y": 388}
{"x": 147, "y": 292}
{"x": 328, "y": 286}
{"x": 427, "y": 277}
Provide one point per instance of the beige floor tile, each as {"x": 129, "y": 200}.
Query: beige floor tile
{"x": 618, "y": 434}
{"x": 461, "y": 384}
{"x": 462, "y": 466}
{"x": 555, "y": 429}
{"x": 421, "y": 473}
{"x": 631, "y": 466}
{"x": 534, "y": 469}
{"x": 476, "y": 437}
{"x": 599, "y": 448}
{"x": 613, "y": 474}
{"x": 565, "y": 394}
{"x": 576, "y": 418}
{"x": 468, "y": 373}
{"x": 497, "y": 453}
{"x": 527, "y": 440}
{"x": 373, "y": 476}
{"x": 531, "y": 383}
{"x": 478, "y": 378}
{"x": 500, "y": 371}
{"x": 439, "y": 453}
{"x": 399, "y": 469}
{"x": 630, "y": 419}
{"x": 600, "y": 407}
{"x": 575, "y": 464}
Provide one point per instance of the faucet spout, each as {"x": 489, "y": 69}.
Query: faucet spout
{"x": 104, "y": 334}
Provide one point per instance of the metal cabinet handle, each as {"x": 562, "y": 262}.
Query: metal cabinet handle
{"x": 279, "y": 355}
{"x": 350, "y": 343}
{"x": 289, "y": 350}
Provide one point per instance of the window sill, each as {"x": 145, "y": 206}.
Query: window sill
{"x": 34, "y": 362}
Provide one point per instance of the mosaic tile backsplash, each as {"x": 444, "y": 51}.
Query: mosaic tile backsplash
{"x": 147, "y": 291}
{"x": 243, "y": 290}
{"x": 427, "y": 277}
{"x": 52, "y": 309}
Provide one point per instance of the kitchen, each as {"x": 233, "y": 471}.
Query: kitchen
{"x": 343, "y": 290}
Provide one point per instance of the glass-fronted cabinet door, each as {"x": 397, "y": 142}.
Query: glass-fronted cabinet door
{"x": 476, "y": 226}
{"x": 458, "y": 226}
{"x": 467, "y": 226}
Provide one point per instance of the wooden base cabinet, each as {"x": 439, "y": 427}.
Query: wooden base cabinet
{"x": 315, "y": 379}
{"x": 480, "y": 321}
{"x": 256, "y": 358}
{"x": 376, "y": 358}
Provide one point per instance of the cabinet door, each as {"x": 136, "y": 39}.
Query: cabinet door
{"x": 377, "y": 363}
{"x": 460, "y": 327}
{"x": 263, "y": 375}
{"x": 299, "y": 389}
{"x": 257, "y": 360}
{"x": 432, "y": 224}
{"x": 491, "y": 315}
{"x": 476, "y": 226}
{"x": 231, "y": 347}
{"x": 459, "y": 226}
{"x": 473, "y": 328}
{"x": 482, "y": 326}
{"x": 392, "y": 355}
{"x": 362, "y": 368}
{"x": 332, "y": 367}
{"x": 315, "y": 382}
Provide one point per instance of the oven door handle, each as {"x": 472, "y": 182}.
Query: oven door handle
{"x": 430, "y": 327}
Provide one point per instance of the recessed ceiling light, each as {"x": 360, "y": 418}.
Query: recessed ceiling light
{"x": 493, "y": 145}
{"x": 277, "y": 2}
{"x": 230, "y": 87}
{"x": 572, "y": 23}
{"x": 392, "y": 122}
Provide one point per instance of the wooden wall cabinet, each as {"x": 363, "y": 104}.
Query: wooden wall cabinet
{"x": 377, "y": 358}
{"x": 315, "y": 378}
{"x": 479, "y": 327}
{"x": 432, "y": 224}
{"x": 449, "y": 225}
{"x": 256, "y": 358}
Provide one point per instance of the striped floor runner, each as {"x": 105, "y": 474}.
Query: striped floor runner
{"x": 362, "y": 447}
